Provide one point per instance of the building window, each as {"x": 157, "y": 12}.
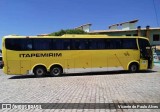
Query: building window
{"x": 156, "y": 37}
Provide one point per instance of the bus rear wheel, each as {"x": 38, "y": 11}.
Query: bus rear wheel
{"x": 39, "y": 71}
{"x": 56, "y": 71}
{"x": 133, "y": 68}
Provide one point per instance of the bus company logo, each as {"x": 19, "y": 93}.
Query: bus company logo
{"x": 126, "y": 54}
{"x": 40, "y": 55}
{"x": 6, "y": 106}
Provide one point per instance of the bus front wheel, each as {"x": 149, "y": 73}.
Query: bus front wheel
{"x": 39, "y": 71}
{"x": 56, "y": 71}
{"x": 133, "y": 67}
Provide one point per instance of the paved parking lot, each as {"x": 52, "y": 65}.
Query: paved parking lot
{"x": 109, "y": 87}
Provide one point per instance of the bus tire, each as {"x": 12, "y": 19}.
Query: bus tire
{"x": 39, "y": 71}
{"x": 56, "y": 71}
{"x": 133, "y": 67}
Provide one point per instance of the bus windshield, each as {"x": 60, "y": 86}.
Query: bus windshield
{"x": 146, "y": 51}
{"x": 145, "y": 48}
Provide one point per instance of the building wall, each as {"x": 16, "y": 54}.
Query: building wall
{"x": 128, "y": 26}
{"x": 115, "y": 27}
{"x": 125, "y": 26}
{"x": 153, "y": 32}
{"x": 86, "y": 28}
{"x": 131, "y": 33}
{"x": 143, "y": 33}
{"x": 135, "y": 33}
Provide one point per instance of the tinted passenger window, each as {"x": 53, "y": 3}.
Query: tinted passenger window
{"x": 42, "y": 44}
{"x": 18, "y": 44}
{"x": 66, "y": 44}
{"x": 80, "y": 44}
{"x": 101, "y": 44}
{"x": 72, "y": 44}
{"x": 84, "y": 44}
{"x": 129, "y": 44}
{"x": 26, "y": 44}
{"x": 121, "y": 44}
{"x": 13, "y": 44}
{"x": 61, "y": 44}
{"x": 113, "y": 44}
{"x": 92, "y": 44}
{"x": 57, "y": 44}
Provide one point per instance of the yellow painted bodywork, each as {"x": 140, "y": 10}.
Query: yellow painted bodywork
{"x": 70, "y": 59}
{"x": 143, "y": 64}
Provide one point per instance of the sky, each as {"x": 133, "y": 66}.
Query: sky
{"x": 33, "y": 17}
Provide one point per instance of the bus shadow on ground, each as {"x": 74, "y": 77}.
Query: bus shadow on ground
{"x": 84, "y": 74}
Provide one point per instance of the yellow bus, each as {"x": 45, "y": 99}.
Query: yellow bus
{"x": 56, "y": 55}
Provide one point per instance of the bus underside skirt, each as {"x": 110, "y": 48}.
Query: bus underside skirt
{"x": 83, "y": 70}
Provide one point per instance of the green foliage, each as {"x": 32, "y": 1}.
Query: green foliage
{"x": 68, "y": 31}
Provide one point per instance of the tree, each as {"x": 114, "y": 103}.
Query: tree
{"x": 68, "y": 31}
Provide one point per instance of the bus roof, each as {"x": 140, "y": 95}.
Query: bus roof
{"x": 73, "y": 36}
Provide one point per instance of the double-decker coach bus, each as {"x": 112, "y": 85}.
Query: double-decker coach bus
{"x": 40, "y": 55}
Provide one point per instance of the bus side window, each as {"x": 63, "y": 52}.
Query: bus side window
{"x": 129, "y": 44}
{"x": 101, "y": 44}
{"x": 84, "y": 44}
{"x": 13, "y": 44}
{"x": 113, "y": 43}
{"x": 17, "y": 44}
{"x": 27, "y": 44}
{"x": 81, "y": 45}
{"x": 42, "y": 44}
{"x": 110, "y": 44}
{"x": 67, "y": 44}
{"x": 92, "y": 44}
{"x": 54, "y": 46}
{"x": 118, "y": 43}
{"x": 59, "y": 44}
{"x": 75, "y": 44}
